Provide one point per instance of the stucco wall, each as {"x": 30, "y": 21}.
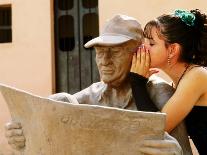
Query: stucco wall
{"x": 145, "y": 10}
{"x": 26, "y": 63}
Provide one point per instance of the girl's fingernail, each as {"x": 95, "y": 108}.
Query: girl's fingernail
{"x": 138, "y": 50}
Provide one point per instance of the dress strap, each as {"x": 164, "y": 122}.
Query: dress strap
{"x": 187, "y": 69}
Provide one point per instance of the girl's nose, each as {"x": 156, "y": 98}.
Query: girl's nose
{"x": 146, "y": 45}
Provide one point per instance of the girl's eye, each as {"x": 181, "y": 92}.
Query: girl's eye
{"x": 151, "y": 44}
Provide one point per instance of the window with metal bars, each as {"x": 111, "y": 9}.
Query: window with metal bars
{"x": 5, "y": 24}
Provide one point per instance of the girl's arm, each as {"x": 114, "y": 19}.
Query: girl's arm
{"x": 188, "y": 92}
{"x": 140, "y": 93}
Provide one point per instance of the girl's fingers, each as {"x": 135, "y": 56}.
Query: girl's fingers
{"x": 138, "y": 56}
{"x": 133, "y": 66}
{"x": 141, "y": 62}
{"x": 153, "y": 71}
{"x": 134, "y": 59}
{"x": 143, "y": 56}
{"x": 148, "y": 60}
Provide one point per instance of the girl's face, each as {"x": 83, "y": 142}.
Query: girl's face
{"x": 157, "y": 49}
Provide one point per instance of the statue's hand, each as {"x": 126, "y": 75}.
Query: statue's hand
{"x": 168, "y": 146}
{"x": 14, "y": 135}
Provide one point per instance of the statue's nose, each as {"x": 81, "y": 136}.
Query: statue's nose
{"x": 106, "y": 59}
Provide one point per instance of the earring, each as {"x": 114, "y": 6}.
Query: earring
{"x": 168, "y": 61}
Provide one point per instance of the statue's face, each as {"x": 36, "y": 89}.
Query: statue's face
{"x": 114, "y": 62}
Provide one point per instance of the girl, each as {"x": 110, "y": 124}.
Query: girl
{"x": 177, "y": 44}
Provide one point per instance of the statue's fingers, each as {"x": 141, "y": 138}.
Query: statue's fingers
{"x": 14, "y": 132}
{"x": 158, "y": 143}
{"x": 151, "y": 151}
{"x": 13, "y": 125}
{"x": 20, "y": 144}
{"x": 11, "y": 141}
{"x": 19, "y": 138}
{"x": 17, "y": 147}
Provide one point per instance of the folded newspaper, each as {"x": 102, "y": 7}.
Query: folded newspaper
{"x": 60, "y": 128}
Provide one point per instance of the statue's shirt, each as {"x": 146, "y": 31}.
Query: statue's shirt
{"x": 101, "y": 94}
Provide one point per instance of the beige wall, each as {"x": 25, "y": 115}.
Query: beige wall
{"x": 26, "y": 63}
{"x": 146, "y": 9}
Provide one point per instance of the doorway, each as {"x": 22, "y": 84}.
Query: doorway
{"x": 76, "y": 22}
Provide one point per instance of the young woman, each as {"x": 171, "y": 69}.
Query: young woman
{"x": 177, "y": 44}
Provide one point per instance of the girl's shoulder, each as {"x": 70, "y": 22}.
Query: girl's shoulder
{"x": 197, "y": 75}
{"x": 198, "y": 72}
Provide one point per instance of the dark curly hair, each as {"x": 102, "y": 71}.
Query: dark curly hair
{"x": 192, "y": 39}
